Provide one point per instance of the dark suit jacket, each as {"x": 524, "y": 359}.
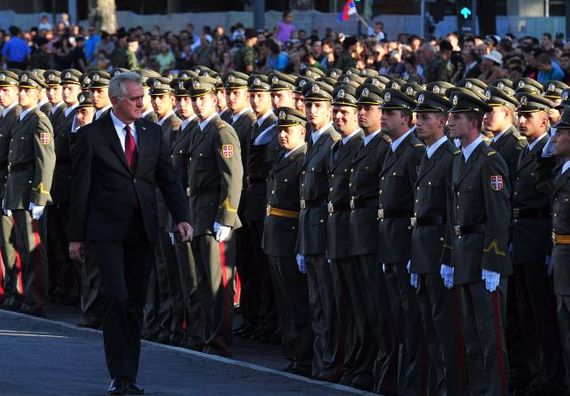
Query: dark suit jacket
{"x": 61, "y": 187}
{"x": 104, "y": 189}
{"x": 433, "y": 192}
{"x": 396, "y": 199}
{"x": 481, "y": 192}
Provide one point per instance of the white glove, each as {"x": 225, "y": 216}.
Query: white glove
{"x": 36, "y": 211}
{"x": 446, "y": 273}
{"x": 7, "y": 212}
{"x": 384, "y": 267}
{"x": 172, "y": 238}
{"x": 548, "y": 149}
{"x": 301, "y": 263}
{"x": 413, "y": 277}
{"x": 222, "y": 232}
{"x": 549, "y": 265}
{"x": 491, "y": 279}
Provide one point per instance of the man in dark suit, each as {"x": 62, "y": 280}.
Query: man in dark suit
{"x": 531, "y": 246}
{"x": 480, "y": 263}
{"x": 118, "y": 162}
{"x": 438, "y": 305}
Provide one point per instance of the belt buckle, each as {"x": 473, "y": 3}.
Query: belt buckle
{"x": 516, "y": 213}
{"x": 268, "y": 210}
{"x": 188, "y": 191}
{"x": 352, "y": 203}
{"x": 330, "y": 207}
{"x": 302, "y": 204}
{"x": 381, "y": 214}
{"x": 414, "y": 221}
{"x": 457, "y": 230}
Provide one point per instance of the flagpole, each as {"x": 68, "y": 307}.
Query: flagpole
{"x": 362, "y": 20}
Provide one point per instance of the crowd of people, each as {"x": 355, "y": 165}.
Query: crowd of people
{"x": 397, "y": 211}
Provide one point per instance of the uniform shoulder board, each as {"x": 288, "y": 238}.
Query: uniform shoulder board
{"x": 491, "y": 153}
{"x": 456, "y": 152}
{"x": 418, "y": 145}
{"x": 386, "y": 138}
{"x": 221, "y": 124}
{"x": 519, "y": 136}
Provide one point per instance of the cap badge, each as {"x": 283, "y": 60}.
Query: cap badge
{"x": 308, "y": 73}
{"x": 409, "y": 91}
{"x": 455, "y": 100}
{"x": 436, "y": 89}
{"x": 501, "y": 85}
{"x": 551, "y": 87}
{"x": 302, "y": 83}
{"x": 349, "y": 72}
{"x": 565, "y": 95}
{"x": 275, "y": 80}
{"x": 67, "y": 75}
{"x": 256, "y": 81}
{"x": 524, "y": 100}
{"x": 387, "y": 97}
{"x": 231, "y": 79}
{"x": 340, "y": 94}
{"x": 81, "y": 98}
{"x": 195, "y": 84}
{"x": 24, "y": 78}
{"x": 421, "y": 98}
{"x": 395, "y": 85}
{"x": 346, "y": 79}
{"x": 2, "y": 77}
{"x": 282, "y": 115}
{"x": 521, "y": 84}
{"x": 95, "y": 77}
{"x": 315, "y": 88}
{"x": 488, "y": 95}
{"x": 181, "y": 85}
{"x": 365, "y": 92}
{"x": 156, "y": 84}
{"x": 334, "y": 74}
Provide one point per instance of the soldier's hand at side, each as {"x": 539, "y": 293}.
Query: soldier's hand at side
{"x": 186, "y": 231}
{"x": 491, "y": 279}
{"x": 77, "y": 251}
{"x": 447, "y": 273}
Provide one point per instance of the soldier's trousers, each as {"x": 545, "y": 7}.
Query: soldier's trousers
{"x": 376, "y": 364}
{"x": 193, "y": 315}
{"x": 537, "y": 312}
{"x": 348, "y": 314}
{"x": 31, "y": 247}
{"x": 216, "y": 268}
{"x": 563, "y": 313}
{"x": 327, "y": 349}
{"x": 292, "y": 297}
{"x": 413, "y": 370}
{"x": 11, "y": 262}
{"x": 441, "y": 321}
{"x": 482, "y": 319}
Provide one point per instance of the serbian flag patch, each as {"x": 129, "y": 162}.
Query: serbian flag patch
{"x": 227, "y": 151}
{"x": 44, "y": 138}
{"x": 497, "y": 182}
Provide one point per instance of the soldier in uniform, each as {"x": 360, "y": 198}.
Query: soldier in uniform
{"x": 480, "y": 264}
{"x": 64, "y": 274}
{"x": 31, "y": 162}
{"x": 11, "y": 275}
{"x": 299, "y": 92}
{"x": 222, "y": 108}
{"x": 553, "y": 178}
{"x": 438, "y": 305}
{"x": 311, "y": 240}
{"x": 99, "y": 90}
{"x": 146, "y": 76}
{"x": 396, "y": 202}
{"x": 338, "y": 162}
{"x": 530, "y": 250}
{"x": 279, "y": 239}
{"x": 376, "y": 361}
{"x": 122, "y": 56}
{"x": 190, "y": 336}
{"x": 54, "y": 95}
{"x": 257, "y": 296}
{"x": 215, "y": 177}
{"x": 244, "y": 60}
{"x": 282, "y": 86}
{"x": 440, "y": 68}
{"x": 43, "y": 103}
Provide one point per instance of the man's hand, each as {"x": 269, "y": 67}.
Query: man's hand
{"x": 77, "y": 251}
{"x": 186, "y": 231}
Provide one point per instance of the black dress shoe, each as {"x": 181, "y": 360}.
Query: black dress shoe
{"x": 116, "y": 388}
{"x": 89, "y": 322}
{"x": 132, "y": 388}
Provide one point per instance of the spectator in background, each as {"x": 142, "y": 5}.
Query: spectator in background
{"x": 285, "y": 28}
{"x": 165, "y": 58}
{"x": 202, "y": 53}
{"x": 40, "y": 58}
{"x": 377, "y": 32}
{"x": 78, "y": 60}
{"x": 328, "y": 59}
{"x": 44, "y": 23}
{"x": 91, "y": 44}
{"x": 16, "y": 52}
{"x": 565, "y": 66}
{"x": 64, "y": 20}
{"x": 546, "y": 41}
{"x": 105, "y": 46}
{"x": 547, "y": 69}
{"x": 244, "y": 60}
{"x": 491, "y": 67}
{"x": 276, "y": 58}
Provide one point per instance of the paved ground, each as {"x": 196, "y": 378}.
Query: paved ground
{"x": 44, "y": 357}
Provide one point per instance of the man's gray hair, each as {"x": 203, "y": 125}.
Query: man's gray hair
{"x": 117, "y": 87}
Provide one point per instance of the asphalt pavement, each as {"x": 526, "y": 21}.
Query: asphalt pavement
{"x": 54, "y": 357}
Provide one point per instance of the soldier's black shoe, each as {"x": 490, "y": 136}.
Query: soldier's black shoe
{"x": 163, "y": 337}
{"x": 116, "y": 388}
{"x": 34, "y": 311}
{"x": 89, "y": 322}
{"x": 132, "y": 388}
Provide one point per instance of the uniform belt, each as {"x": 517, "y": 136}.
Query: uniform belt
{"x": 559, "y": 239}
{"x": 256, "y": 180}
{"x": 212, "y": 190}
{"x": 338, "y": 207}
{"x": 63, "y": 161}
{"x": 309, "y": 203}
{"x": 393, "y": 214}
{"x": 427, "y": 221}
{"x": 535, "y": 213}
{"x": 21, "y": 167}
{"x": 470, "y": 229}
{"x": 362, "y": 203}
{"x": 290, "y": 214}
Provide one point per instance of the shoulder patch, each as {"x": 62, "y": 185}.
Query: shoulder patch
{"x": 45, "y": 138}
{"x": 227, "y": 151}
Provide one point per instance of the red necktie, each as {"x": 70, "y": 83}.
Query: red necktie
{"x": 130, "y": 148}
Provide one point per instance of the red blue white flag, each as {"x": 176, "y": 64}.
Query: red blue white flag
{"x": 348, "y": 10}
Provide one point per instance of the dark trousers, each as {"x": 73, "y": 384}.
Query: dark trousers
{"x": 482, "y": 318}
{"x": 64, "y": 275}
{"x": 215, "y": 267}
{"x": 292, "y": 297}
{"x": 11, "y": 262}
{"x": 31, "y": 247}
{"x": 193, "y": 315}
{"x": 537, "y": 312}
{"x": 441, "y": 321}
{"x": 348, "y": 314}
{"x": 123, "y": 267}
{"x": 327, "y": 350}
{"x": 413, "y": 371}
{"x": 378, "y": 355}
{"x": 91, "y": 301}
{"x": 563, "y": 312}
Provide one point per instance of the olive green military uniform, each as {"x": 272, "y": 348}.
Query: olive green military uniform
{"x": 438, "y": 70}
{"x": 244, "y": 57}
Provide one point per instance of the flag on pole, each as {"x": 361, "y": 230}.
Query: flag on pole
{"x": 348, "y": 10}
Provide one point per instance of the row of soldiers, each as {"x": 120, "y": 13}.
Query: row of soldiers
{"x": 374, "y": 249}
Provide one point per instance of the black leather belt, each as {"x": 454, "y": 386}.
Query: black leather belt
{"x": 393, "y": 214}
{"x": 370, "y": 203}
{"x": 470, "y": 229}
{"x": 427, "y": 221}
{"x": 338, "y": 207}
{"x": 309, "y": 203}
{"x": 532, "y": 213}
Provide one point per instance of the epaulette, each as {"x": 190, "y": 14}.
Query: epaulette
{"x": 519, "y": 137}
{"x": 418, "y": 145}
{"x": 456, "y": 152}
{"x": 491, "y": 153}
{"x": 386, "y": 138}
